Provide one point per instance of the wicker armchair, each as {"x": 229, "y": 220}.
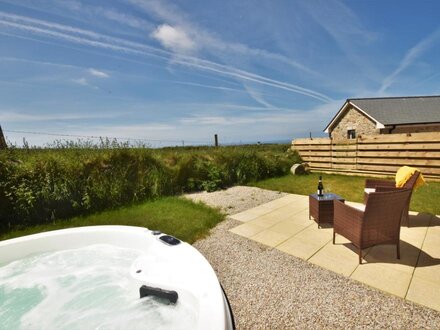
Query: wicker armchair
{"x": 374, "y": 185}
{"x": 379, "y": 223}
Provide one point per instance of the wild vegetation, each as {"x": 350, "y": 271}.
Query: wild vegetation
{"x": 38, "y": 186}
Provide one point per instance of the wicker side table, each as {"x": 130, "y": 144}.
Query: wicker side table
{"x": 321, "y": 207}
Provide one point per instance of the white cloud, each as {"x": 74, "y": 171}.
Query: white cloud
{"x": 84, "y": 82}
{"x": 207, "y": 120}
{"x": 151, "y": 132}
{"x": 271, "y": 122}
{"x": 81, "y": 81}
{"x": 238, "y": 120}
{"x": 122, "y": 18}
{"x": 233, "y": 107}
{"x": 411, "y": 55}
{"x": 94, "y": 39}
{"x": 351, "y": 36}
{"x": 108, "y": 13}
{"x": 173, "y": 38}
{"x": 257, "y": 96}
{"x": 77, "y": 35}
{"x": 98, "y": 73}
{"x": 227, "y": 70}
{"x": 14, "y": 116}
{"x": 222, "y": 88}
{"x": 170, "y": 13}
{"x": 140, "y": 130}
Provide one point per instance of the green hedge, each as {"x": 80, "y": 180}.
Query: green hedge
{"x": 40, "y": 185}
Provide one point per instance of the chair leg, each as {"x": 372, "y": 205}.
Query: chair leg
{"x": 360, "y": 256}
{"x": 405, "y": 215}
{"x": 398, "y": 250}
{"x": 334, "y": 234}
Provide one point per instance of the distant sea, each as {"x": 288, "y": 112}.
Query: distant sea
{"x": 287, "y": 141}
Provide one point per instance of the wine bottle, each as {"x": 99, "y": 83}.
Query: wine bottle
{"x": 320, "y": 187}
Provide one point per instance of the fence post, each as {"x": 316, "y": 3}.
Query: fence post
{"x": 3, "y": 144}
{"x": 356, "y": 153}
{"x": 216, "y": 140}
{"x": 331, "y": 152}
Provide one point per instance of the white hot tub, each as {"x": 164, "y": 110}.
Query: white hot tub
{"x": 90, "y": 277}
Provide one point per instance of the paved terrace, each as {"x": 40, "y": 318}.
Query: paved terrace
{"x": 284, "y": 225}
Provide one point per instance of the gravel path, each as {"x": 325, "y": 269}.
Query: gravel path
{"x": 269, "y": 289}
{"x": 236, "y": 199}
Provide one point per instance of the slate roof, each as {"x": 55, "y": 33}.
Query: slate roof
{"x": 401, "y": 110}
{"x": 395, "y": 110}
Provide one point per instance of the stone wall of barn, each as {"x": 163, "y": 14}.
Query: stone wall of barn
{"x": 353, "y": 119}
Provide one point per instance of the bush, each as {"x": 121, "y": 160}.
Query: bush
{"x": 41, "y": 185}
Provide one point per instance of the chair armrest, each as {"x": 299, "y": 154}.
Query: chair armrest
{"x": 373, "y": 183}
{"x": 385, "y": 188}
{"x": 346, "y": 216}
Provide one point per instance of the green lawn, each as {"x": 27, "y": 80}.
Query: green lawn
{"x": 179, "y": 217}
{"x": 425, "y": 199}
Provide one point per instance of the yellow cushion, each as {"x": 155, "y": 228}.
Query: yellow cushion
{"x": 404, "y": 174}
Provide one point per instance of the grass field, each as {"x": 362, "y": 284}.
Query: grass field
{"x": 425, "y": 199}
{"x": 179, "y": 217}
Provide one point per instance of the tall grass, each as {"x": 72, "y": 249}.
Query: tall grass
{"x": 38, "y": 186}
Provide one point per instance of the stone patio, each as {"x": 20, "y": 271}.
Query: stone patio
{"x": 284, "y": 225}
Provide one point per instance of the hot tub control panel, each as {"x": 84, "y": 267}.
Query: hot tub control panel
{"x": 170, "y": 240}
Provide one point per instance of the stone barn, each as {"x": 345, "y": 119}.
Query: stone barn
{"x": 385, "y": 115}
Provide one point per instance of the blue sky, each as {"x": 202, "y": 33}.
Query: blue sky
{"x": 178, "y": 70}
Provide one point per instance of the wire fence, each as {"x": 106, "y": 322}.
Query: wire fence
{"x": 77, "y": 140}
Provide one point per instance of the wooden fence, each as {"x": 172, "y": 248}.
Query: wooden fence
{"x": 376, "y": 155}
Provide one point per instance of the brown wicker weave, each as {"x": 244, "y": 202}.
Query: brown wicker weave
{"x": 321, "y": 207}
{"x": 378, "y": 224}
{"x": 389, "y": 185}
